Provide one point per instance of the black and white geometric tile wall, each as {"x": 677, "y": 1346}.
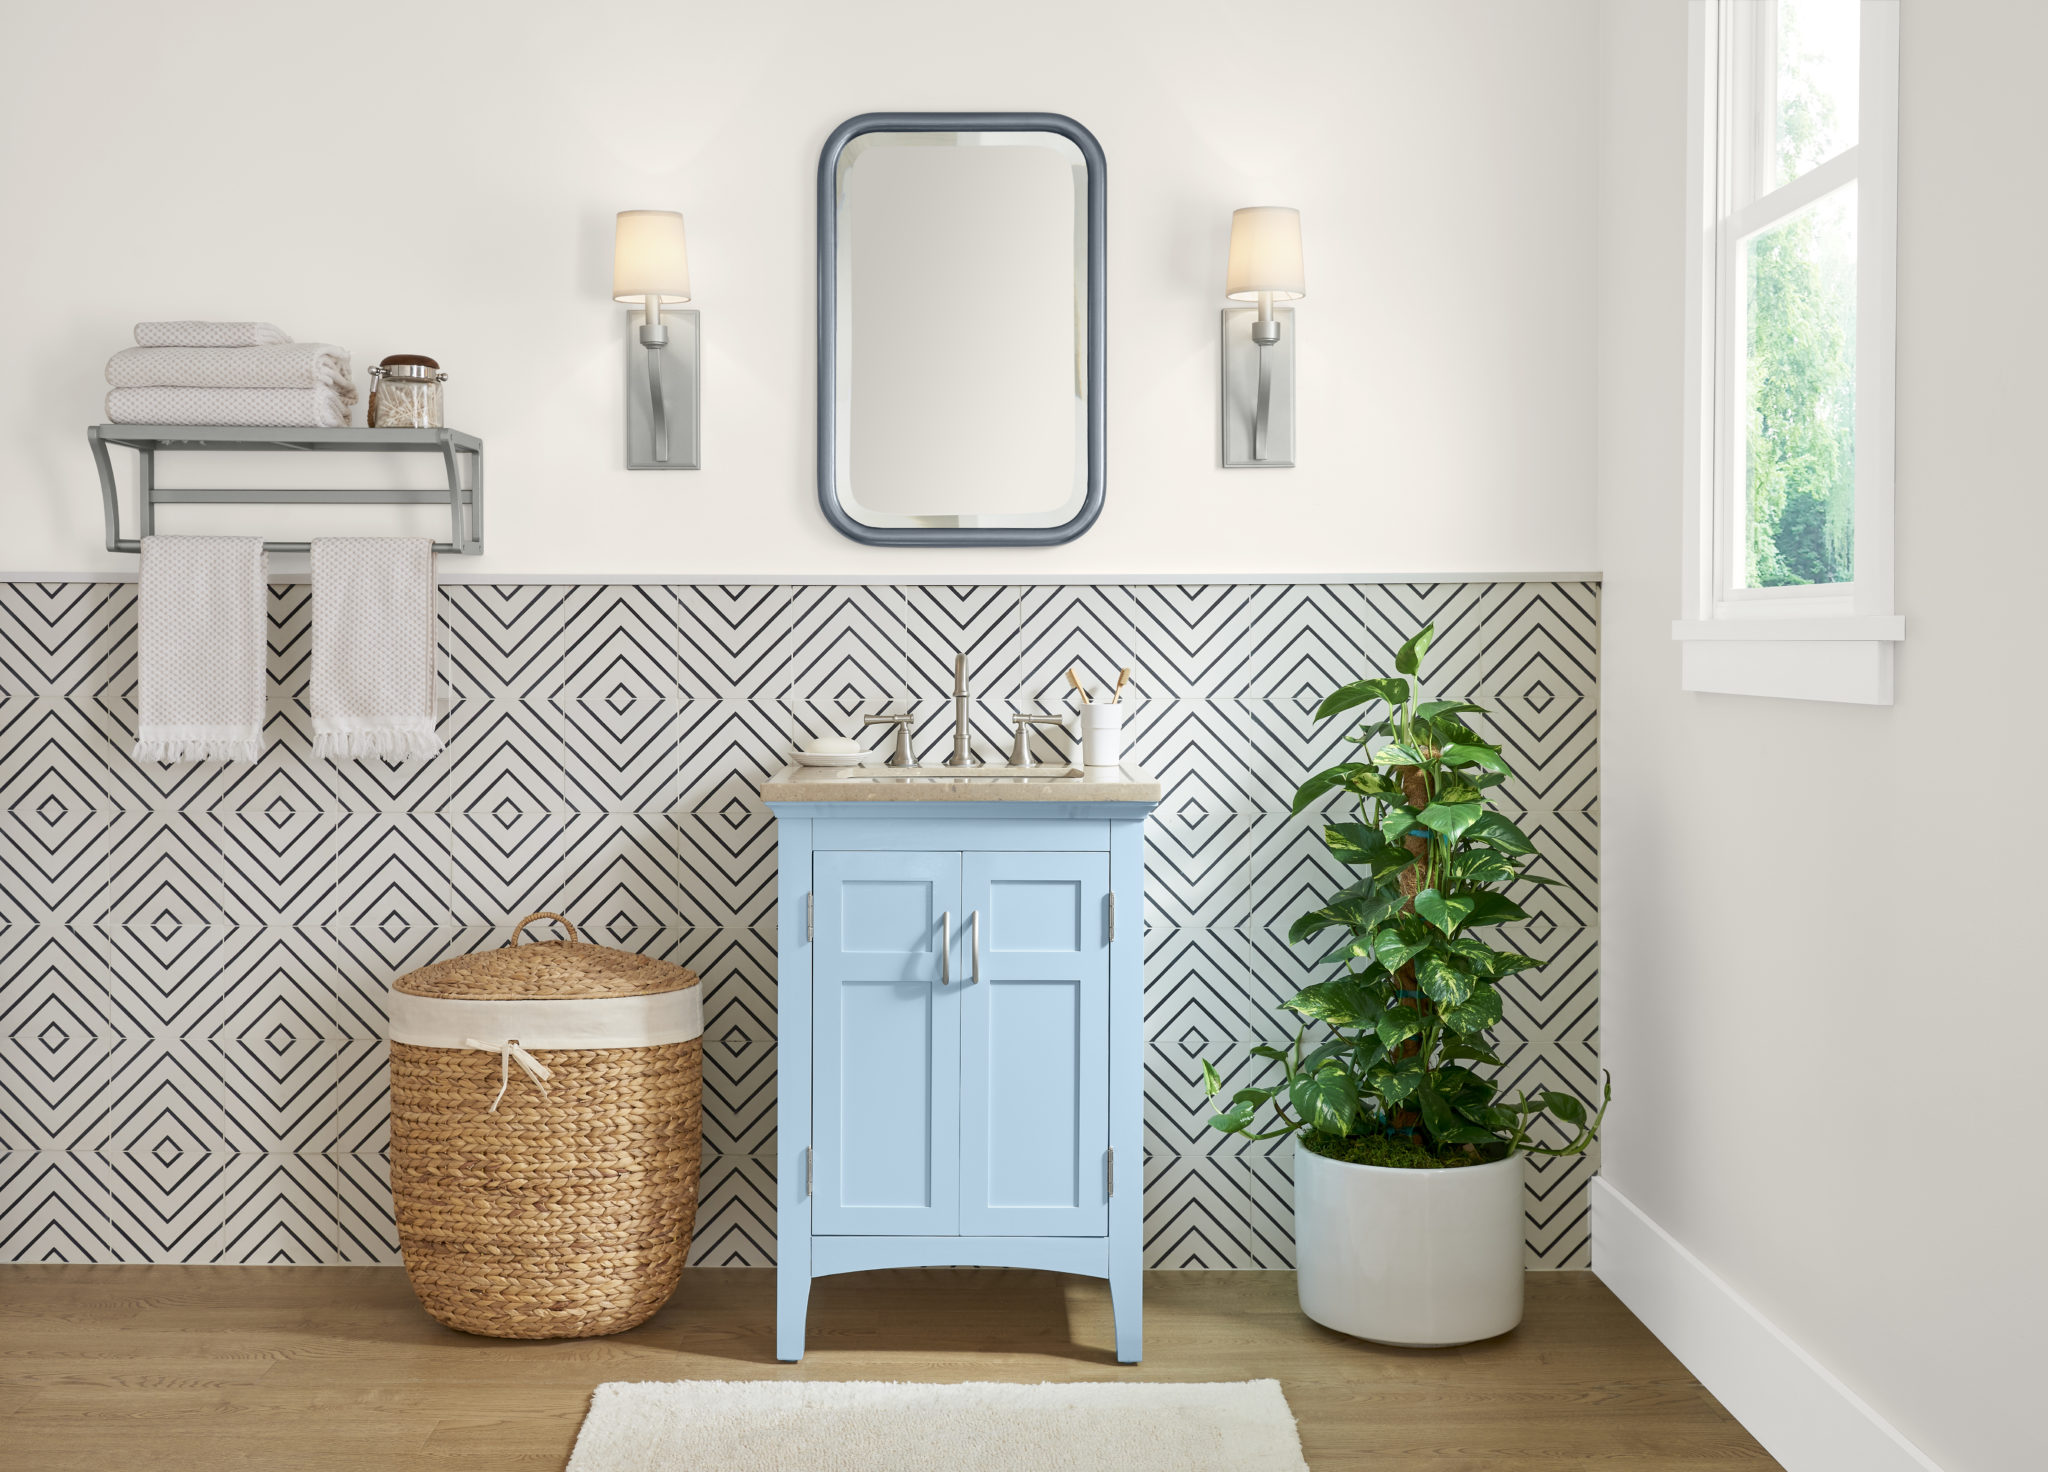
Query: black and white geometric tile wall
{"x": 192, "y": 958}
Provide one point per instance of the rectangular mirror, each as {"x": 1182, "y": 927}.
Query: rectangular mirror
{"x": 960, "y": 329}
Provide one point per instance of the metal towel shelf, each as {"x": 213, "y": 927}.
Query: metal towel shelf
{"x": 465, "y": 503}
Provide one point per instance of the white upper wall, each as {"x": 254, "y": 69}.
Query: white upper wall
{"x": 1821, "y": 994}
{"x": 441, "y": 178}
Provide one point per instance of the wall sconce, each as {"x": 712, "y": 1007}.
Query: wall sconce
{"x": 651, "y": 266}
{"x": 1258, "y": 347}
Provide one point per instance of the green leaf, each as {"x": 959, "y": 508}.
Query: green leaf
{"x": 1341, "y": 1002}
{"x": 1390, "y": 861}
{"x": 1500, "y": 833}
{"x": 1489, "y": 1117}
{"x": 1363, "y": 912}
{"x": 1481, "y": 866}
{"x": 1394, "y": 1082}
{"x": 1408, "y": 658}
{"x": 1234, "y": 1119}
{"x": 1398, "y": 820}
{"x": 1353, "y": 843}
{"x": 1451, "y": 819}
{"x": 1495, "y": 909}
{"x": 1507, "y": 963}
{"x": 1445, "y": 1125}
{"x": 1324, "y": 780}
{"x": 1267, "y": 1050}
{"x": 1358, "y": 692}
{"x": 1466, "y": 1047}
{"x": 1473, "y": 1016}
{"x": 1253, "y": 1096}
{"x": 1399, "y": 755}
{"x": 1454, "y": 789}
{"x": 1311, "y": 925}
{"x": 1445, "y": 914}
{"x": 1397, "y": 1025}
{"x": 1462, "y": 1086}
{"x": 1394, "y": 951}
{"x": 1443, "y": 983}
{"x": 1436, "y": 1110}
{"x": 1469, "y": 754}
{"x": 1429, "y": 710}
{"x": 1328, "y": 1099}
{"x": 1565, "y": 1106}
{"x": 1212, "y": 1082}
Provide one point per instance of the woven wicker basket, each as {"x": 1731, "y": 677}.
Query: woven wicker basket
{"x": 545, "y": 1215}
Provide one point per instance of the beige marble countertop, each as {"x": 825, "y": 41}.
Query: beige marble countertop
{"x": 878, "y": 783}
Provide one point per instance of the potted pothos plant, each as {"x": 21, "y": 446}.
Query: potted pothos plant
{"x": 1408, "y": 1153}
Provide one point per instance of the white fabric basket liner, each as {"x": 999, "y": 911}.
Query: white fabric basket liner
{"x": 576, "y": 1022}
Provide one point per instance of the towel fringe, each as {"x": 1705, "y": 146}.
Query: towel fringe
{"x": 390, "y": 746}
{"x": 199, "y": 751}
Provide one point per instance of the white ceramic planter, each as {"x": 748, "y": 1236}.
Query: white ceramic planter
{"x": 1411, "y": 1257}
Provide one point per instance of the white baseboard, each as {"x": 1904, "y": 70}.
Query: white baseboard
{"x": 1805, "y": 1417}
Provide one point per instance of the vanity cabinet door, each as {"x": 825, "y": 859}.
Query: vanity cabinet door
{"x": 886, "y": 1051}
{"x": 1034, "y": 1045}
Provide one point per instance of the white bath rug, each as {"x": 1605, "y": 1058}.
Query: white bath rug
{"x": 877, "y": 1426}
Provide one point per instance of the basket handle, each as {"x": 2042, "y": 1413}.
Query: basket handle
{"x": 543, "y": 915}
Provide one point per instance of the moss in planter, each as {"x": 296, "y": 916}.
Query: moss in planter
{"x": 1398, "y": 1152}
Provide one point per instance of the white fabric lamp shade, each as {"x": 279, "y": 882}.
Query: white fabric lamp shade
{"x": 649, "y": 257}
{"x": 1265, "y": 254}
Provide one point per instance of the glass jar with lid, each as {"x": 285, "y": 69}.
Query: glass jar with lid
{"x": 405, "y": 393}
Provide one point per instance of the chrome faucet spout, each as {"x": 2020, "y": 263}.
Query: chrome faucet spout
{"x": 963, "y": 705}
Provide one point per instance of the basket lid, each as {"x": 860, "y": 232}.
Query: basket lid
{"x": 546, "y": 970}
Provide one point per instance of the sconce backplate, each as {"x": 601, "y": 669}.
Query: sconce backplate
{"x": 1241, "y": 391}
{"x": 679, "y": 389}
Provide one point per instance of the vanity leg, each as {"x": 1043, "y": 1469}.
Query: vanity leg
{"x": 792, "y": 1304}
{"x": 1127, "y": 1303}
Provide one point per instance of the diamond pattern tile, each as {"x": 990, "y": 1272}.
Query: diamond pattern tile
{"x": 52, "y": 1209}
{"x": 194, "y": 958}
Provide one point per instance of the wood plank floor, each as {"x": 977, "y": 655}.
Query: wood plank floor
{"x": 107, "y": 1369}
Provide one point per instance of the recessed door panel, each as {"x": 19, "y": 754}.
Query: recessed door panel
{"x": 886, "y": 1054}
{"x": 1034, "y": 1068}
{"x": 891, "y": 917}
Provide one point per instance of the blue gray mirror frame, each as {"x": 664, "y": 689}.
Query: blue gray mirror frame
{"x": 828, "y": 317}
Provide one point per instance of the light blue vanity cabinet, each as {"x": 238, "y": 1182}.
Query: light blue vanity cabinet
{"x": 961, "y": 968}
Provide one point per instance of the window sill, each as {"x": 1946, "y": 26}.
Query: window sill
{"x": 1843, "y": 660}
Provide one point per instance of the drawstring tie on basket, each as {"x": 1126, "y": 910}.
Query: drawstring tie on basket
{"x": 509, "y": 1052}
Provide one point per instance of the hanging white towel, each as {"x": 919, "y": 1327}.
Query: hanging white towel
{"x": 373, "y": 648}
{"x": 200, "y": 644}
{"x": 190, "y": 334}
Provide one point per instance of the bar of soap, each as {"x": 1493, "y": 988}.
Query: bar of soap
{"x": 831, "y": 745}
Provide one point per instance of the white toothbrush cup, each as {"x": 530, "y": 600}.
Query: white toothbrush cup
{"x": 1102, "y": 734}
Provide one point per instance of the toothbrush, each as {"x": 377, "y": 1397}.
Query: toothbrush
{"x": 1075, "y": 680}
{"x": 1123, "y": 678}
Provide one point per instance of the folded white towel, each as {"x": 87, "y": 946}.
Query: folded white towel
{"x": 206, "y": 334}
{"x": 200, "y": 644}
{"x": 373, "y": 648}
{"x": 322, "y": 407}
{"x": 279, "y": 365}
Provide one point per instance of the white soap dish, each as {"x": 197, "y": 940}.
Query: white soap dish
{"x": 829, "y": 758}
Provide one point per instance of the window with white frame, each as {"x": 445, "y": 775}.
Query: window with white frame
{"x": 1792, "y": 221}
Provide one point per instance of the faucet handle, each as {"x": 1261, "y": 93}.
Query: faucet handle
{"x": 1020, "y": 748}
{"x": 901, "y": 720}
